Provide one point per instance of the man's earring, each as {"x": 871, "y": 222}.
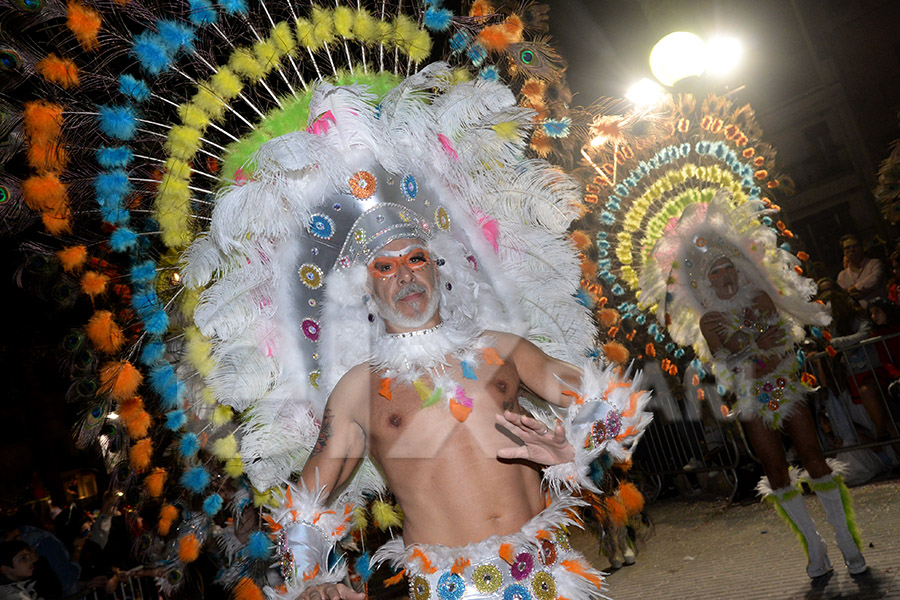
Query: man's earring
{"x": 439, "y": 262}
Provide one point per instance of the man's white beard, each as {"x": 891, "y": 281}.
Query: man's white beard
{"x": 415, "y": 321}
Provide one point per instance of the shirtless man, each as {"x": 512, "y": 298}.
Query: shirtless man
{"x": 456, "y": 482}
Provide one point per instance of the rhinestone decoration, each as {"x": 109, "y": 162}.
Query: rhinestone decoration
{"x": 310, "y": 328}
{"x": 547, "y": 553}
{"x": 764, "y": 397}
{"x": 598, "y": 433}
{"x": 768, "y": 387}
{"x": 336, "y": 206}
{"x": 321, "y": 226}
{"x": 442, "y": 219}
{"x": 562, "y": 540}
{"x": 420, "y": 588}
{"x": 522, "y": 567}
{"x": 781, "y": 382}
{"x": 613, "y": 424}
{"x": 311, "y": 276}
{"x": 314, "y": 379}
{"x": 777, "y": 394}
{"x": 543, "y": 586}
{"x": 487, "y": 579}
{"x": 516, "y": 591}
{"x": 773, "y": 405}
{"x": 450, "y": 586}
{"x": 701, "y": 242}
{"x": 409, "y": 187}
{"x": 346, "y": 262}
{"x": 379, "y": 218}
{"x": 360, "y": 236}
{"x": 286, "y": 566}
{"x": 362, "y": 184}
{"x": 312, "y": 302}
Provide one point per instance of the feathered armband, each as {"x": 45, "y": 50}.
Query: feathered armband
{"x": 606, "y": 416}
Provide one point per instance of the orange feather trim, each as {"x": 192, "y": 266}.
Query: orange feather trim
{"x": 155, "y": 481}
{"x": 385, "y": 389}
{"x": 140, "y": 454}
{"x": 43, "y": 120}
{"x": 396, "y": 578}
{"x": 426, "y": 562}
{"x": 581, "y": 240}
{"x": 311, "y": 573}
{"x": 104, "y": 332}
{"x": 507, "y": 553}
{"x": 167, "y": 516}
{"x": 631, "y": 498}
{"x": 94, "y": 284}
{"x": 616, "y": 352}
{"x": 189, "y": 548}
{"x": 135, "y": 419}
{"x": 615, "y": 511}
{"x": 578, "y": 568}
{"x": 608, "y": 317}
{"x": 459, "y": 411}
{"x": 45, "y": 193}
{"x": 58, "y": 222}
{"x": 47, "y": 156}
{"x": 72, "y": 258}
{"x": 61, "y": 71}
{"x": 540, "y": 143}
{"x": 120, "y": 379}
{"x": 481, "y": 8}
{"x": 85, "y": 23}
{"x": 588, "y": 269}
{"x": 650, "y": 350}
{"x": 534, "y": 90}
{"x": 247, "y": 590}
{"x": 499, "y": 37}
{"x": 491, "y": 357}
{"x": 459, "y": 565}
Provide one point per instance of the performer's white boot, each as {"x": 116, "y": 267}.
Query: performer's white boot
{"x": 835, "y": 498}
{"x": 791, "y": 505}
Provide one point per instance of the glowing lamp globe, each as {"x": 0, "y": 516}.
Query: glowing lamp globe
{"x": 677, "y": 56}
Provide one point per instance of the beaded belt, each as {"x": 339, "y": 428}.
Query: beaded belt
{"x": 530, "y": 576}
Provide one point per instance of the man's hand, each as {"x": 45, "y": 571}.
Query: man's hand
{"x": 331, "y": 591}
{"x": 541, "y": 445}
{"x": 717, "y": 323}
{"x": 770, "y": 338}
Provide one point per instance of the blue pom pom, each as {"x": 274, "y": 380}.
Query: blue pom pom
{"x": 476, "y": 53}
{"x": 165, "y": 382}
{"x": 437, "y": 19}
{"x": 111, "y": 187}
{"x": 144, "y": 302}
{"x": 116, "y": 157}
{"x": 152, "y": 52}
{"x": 259, "y": 546}
{"x": 584, "y": 298}
{"x": 679, "y": 353}
{"x": 363, "y": 566}
{"x": 557, "y": 128}
{"x": 156, "y": 322}
{"x": 233, "y": 7}
{"x": 202, "y": 12}
{"x": 175, "y": 420}
{"x": 119, "y": 216}
{"x": 459, "y": 40}
{"x": 489, "y": 73}
{"x": 122, "y": 239}
{"x": 213, "y": 504}
{"x": 195, "y": 479}
{"x": 721, "y": 389}
{"x": 118, "y": 122}
{"x": 144, "y": 272}
{"x": 189, "y": 444}
{"x": 176, "y": 36}
{"x": 152, "y": 353}
{"x": 816, "y": 331}
{"x": 133, "y": 87}
{"x": 617, "y": 290}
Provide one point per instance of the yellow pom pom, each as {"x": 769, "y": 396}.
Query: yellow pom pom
{"x": 360, "y": 522}
{"x": 507, "y": 130}
{"x": 343, "y": 21}
{"x": 226, "y": 84}
{"x": 267, "y": 54}
{"x": 225, "y": 448}
{"x": 305, "y": 34}
{"x": 365, "y": 26}
{"x": 385, "y": 516}
{"x": 243, "y": 62}
{"x": 404, "y": 31}
{"x": 221, "y": 415}
{"x": 323, "y": 25}
{"x": 183, "y": 142}
{"x": 189, "y": 300}
{"x": 172, "y": 197}
{"x": 461, "y": 76}
{"x": 284, "y": 39}
{"x": 199, "y": 351}
{"x": 177, "y": 168}
{"x": 419, "y": 47}
{"x": 264, "y": 498}
{"x": 208, "y": 397}
{"x": 234, "y": 467}
{"x": 208, "y": 101}
{"x": 193, "y": 116}
{"x": 384, "y": 33}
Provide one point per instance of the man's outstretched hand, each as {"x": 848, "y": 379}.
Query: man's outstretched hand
{"x": 540, "y": 444}
{"x": 331, "y": 591}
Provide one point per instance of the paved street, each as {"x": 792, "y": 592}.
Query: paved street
{"x": 705, "y": 549}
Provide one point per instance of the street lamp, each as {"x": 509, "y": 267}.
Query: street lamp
{"x": 678, "y": 56}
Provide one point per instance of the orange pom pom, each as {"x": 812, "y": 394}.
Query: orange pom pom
{"x": 650, "y": 350}
{"x": 481, "y": 8}
{"x": 615, "y": 511}
{"x": 43, "y": 121}
{"x": 85, "y": 23}
{"x": 608, "y": 317}
{"x": 247, "y": 590}
{"x": 58, "y": 222}
{"x": 45, "y": 193}
{"x": 534, "y": 90}
{"x": 167, "y": 516}
{"x": 189, "y": 548}
{"x": 830, "y": 350}
{"x": 135, "y": 419}
{"x": 104, "y": 332}
{"x": 616, "y": 352}
{"x": 47, "y": 156}
{"x": 119, "y": 379}
{"x": 140, "y": 453}
{"x": 631, "y": 498}
{"x": 802, "y": 255}
{"x": 581, "y": 240}
{"x": 798, "y": 269}
{"x": 93, "y": 283}
{"x": 155, "y": 481}
{"x": 588, "y": 270}
{"x": 499, "y": 37}
{"x": 61, "y": 71}
{"x": 72, "y": 258}
{"x": 540, "y": 143}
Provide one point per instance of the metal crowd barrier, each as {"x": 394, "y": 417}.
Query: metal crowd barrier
{"x": 133, "y": 588}
{"x": 694, "y": 447}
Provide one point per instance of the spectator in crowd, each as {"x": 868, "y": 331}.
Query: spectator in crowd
{"x": 893, "y": 285}
{"x": 862, "y": 277}
{"x": 17, "y": 561}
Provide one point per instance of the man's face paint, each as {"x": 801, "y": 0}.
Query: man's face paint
{"x": 387, "y": 263}
{"x": 403, "y": 281}
{"x": 723, "y": 278}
